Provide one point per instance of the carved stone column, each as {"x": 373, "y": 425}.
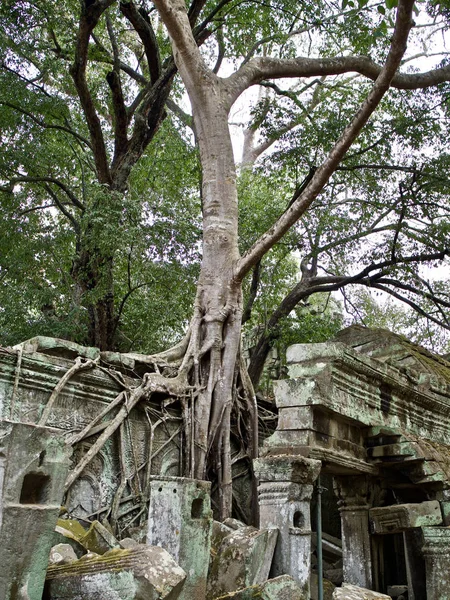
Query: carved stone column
{"x": 285, "y": 491}
{"x": 436, "y": 551}
{"x": 353, "y": 494}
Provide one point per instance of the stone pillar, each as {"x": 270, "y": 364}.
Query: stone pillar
{"x": 353, "y": 493}
{"x": 33, "y": 467}
{"x": 285, "y": 490}
{"x": 180, "y": 521}
{"x": 415, "y": 566}
{"x": 436, "y": 551}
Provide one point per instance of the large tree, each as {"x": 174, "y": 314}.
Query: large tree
{"x": 111, "y": 129}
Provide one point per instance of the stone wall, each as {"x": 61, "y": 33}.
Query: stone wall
{"x": 149, "y": 443}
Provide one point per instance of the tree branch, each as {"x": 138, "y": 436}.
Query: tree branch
{"x": 90, "y": 15}
{"x": 120, "y": 111}
{"x": 247, "y": 312}
{"x": 143, "y": 27}
{"x": 63, "y": 209}
{"x": 324, "y": 172}
{"x": 261, "y": 68}
{"x": 57, "y": 182}
{"x": 45, "y": 125}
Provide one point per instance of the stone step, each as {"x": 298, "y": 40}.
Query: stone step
{"x": 379, "y": 436}
{"x": 394, "y": 452}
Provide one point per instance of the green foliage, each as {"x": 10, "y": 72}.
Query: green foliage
{"x": 142, "y": 241}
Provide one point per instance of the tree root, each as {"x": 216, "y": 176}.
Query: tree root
{"x": 78, "y": 366}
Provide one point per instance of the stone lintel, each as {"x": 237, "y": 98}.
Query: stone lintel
{"x": 399, "y": 517}
{"x": 284, "y": 467}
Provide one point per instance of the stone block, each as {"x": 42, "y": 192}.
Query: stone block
{"x": 62, "y": 554}
{"x": 328, "y": 588}
{"x": 128, "y": 543}
{"x": 279, "y": 588}
{"x": 399, "y": 517}
{"x": 180, "y": 521}
{"x": 243, "y": 559}
{"x": 142, "y": 573}
{"x": 295, "y": 469}
{"x": 353, "y": 592}
{"x": 33, "y": 466}
{"x": 436, "y": 551}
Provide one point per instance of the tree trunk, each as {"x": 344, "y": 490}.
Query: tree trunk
{"x": 216, "y": 326}
{"x": 93, "y": 278}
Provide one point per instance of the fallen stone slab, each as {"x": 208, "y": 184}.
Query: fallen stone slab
{"x": 98, "y": 539}
{"x": 283, "y": 587}
{"x": 243, "y": 559}
{"x": 353, "y": 592}
{"x": 141, "y": 573}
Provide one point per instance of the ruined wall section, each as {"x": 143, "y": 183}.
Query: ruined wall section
{"x": 150, "y": 443}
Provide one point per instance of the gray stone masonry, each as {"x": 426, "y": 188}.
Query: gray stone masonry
{"x": 33, "y": 467}
{"x": 436, "y": 550}
{"x": 242, "y": 558}
{"x": 141, "y": 573}
{"x": 180, "y": 521}
{"x": 279, "y": 588}
{"x": 353, "y": 592}
{"x": 285, "y": 491}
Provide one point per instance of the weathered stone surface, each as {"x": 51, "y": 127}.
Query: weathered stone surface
{"x": 219, "y": 532}
{"x": 83, "y": 397}
{"x": 374, "y": 379}
{"x": 399, "y": 517}
{"x": 180, "y": 520}
{"x": 143, "y": 573}
{"x": 243, "y": 559}
{"x": 33, "y": 467}
{"x": 354, "y": 494}
{"x": 279, "y": 588}
{"x": 436, "y": 551}
{"x": 62, "y": 554}
{"x": 233, "y": 523}
{"x": 328, "y": 588}
{"x": 352, "y": 592}
{"x": 98, "y": 539}
{"x": 296, "y": 469}
{"x": 70, "y": 531}
{"x": 398, "y": 591}
{"x": 128, "y": 543}
{"x": 285, "y": 505}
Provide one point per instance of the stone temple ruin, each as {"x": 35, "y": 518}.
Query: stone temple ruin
{"x": 353, "y": 486}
